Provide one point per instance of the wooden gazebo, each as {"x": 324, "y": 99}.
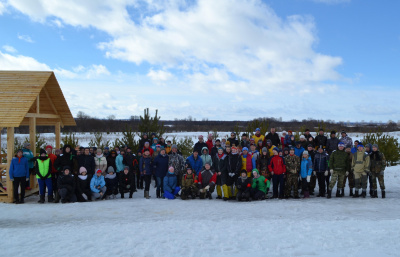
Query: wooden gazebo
{"x": 29, "y": 98}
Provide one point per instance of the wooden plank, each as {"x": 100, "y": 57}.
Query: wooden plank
{"x": 42, "y": 116}
{"x": 32, "y": 141}
{"x": 10, "y": 154}
{"x": 51, "y": 103}
{"x": 58, "y": 134}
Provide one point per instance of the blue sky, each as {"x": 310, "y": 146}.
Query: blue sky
{"x": 221, "y": 60}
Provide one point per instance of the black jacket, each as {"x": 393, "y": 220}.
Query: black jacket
{"x": 198, "y": 146}
{"x": 276, "y": 141}
{"x": 243, "y": 186}
{"x": 320, "y": 140}
{"x": 125, "y": 180}
{"x": 67, "y": 182}
{"x": 87, "y": 161}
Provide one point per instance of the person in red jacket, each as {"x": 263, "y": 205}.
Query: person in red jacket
{"x": 206, "y": 181}
{"x": 210, "y": 143}
{"x": 147, "y": 146}
{"x": 277, "y": 168}
{"x": 54, "y": 172}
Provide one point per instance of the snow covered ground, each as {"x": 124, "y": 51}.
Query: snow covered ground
{"x": 156, "y": 227}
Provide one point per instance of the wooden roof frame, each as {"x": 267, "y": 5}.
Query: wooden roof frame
{"x": 32, "y": 94}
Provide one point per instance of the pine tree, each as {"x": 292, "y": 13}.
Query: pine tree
{"x": 151, "y": 124}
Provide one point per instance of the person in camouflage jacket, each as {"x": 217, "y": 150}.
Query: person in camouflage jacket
{"x": 338, "y": 164}
{"x": 360, "y": 168}
{"x": 178, "y": 162}
{"x": 350, "y": 177}
{"x": 292, "y": 174}
{"x": 189, "y": 185}
{"x": 378, "y": 164}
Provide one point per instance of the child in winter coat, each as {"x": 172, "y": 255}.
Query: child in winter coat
{"x": 111, "y": 183}
{"x": 320, "y": 167}
{"x": 170, "y": 184}
{"x": 243, "y": 184}
{"x": 305, "y": 173}
{"x": 259, "y": 186}
{"x": 43, "y": 174}
{"x": 83, "y": 192}
{"x": 126, "y": 182}
{"x": 66, "y": 186}
{"x": 98, "y": 186}
{"x": 206, "y": 183}
{"x": 205, "y": 157}
{"x": 189, "y": 185}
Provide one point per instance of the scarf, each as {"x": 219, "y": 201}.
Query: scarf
{"x": 82, "y": 177}
{"x": 220, "y": 156}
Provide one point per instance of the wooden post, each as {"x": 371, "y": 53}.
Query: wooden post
{"x": 0, "y": 139}
{"x": 10, "y": 155}
{"x": 32, "y": 141}
{"x": 57, "y": 132}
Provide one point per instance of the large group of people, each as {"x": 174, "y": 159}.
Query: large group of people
{"x": 238, "y": 168}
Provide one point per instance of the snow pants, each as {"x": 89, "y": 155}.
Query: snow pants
{"x": 338, "y": 176}
{"x": 350, "y": 177}
{"x": 361, "y": 180}
{"x": 170, "y": 195}
{"x": 67, "y": 195}
{"x": 229, "y": 191}
{"x": 374, "y": 176}
{"x": 323, "y": 182}
{"x": 292, "y": 182}
{"x": 96, "y": 196}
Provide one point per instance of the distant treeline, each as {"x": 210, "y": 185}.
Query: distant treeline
{"x": 89, "y": 124}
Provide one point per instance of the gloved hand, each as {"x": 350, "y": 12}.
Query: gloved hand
{"x": 347, "y": 173}
{"x": 272, "y": 173}
{"x": 308, "y": 179}
{"x": 27, "y": 179}
{"x": 207, "y": 188}
{"x": 331, "y": 171}
{"x": 314, "y": 173}
{"x": 382, "y": 172}
{"x": 326, "y": 173}
{"x": 201, "y": 190}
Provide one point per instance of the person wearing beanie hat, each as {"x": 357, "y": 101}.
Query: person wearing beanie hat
{"x": 126, "y": 182}
{"x": 160, "y": 167}
{"x": 286, "y": 151}
{"x": 292, "y": 162}
{"x": 305, "y": 173}
{"x": 360, "y": 167}
{"x": 320, "y": 165}
{"x": 229, "y": 177}
{"x": 168, "y": 146}
{"x": 278, "y": 169}
{"x": 248, "y": 162}
{"x": 43, "y": 175}
{"x": 189, "y": 184}
{"x": 378, "y": 165}
{"x": 98, "y": 186}
{"x": 320, "y": 139}
{"x": 339, "y": 167}
{"x": 243, "y": 185}
{"x": 258, "y": 136}
{"x": 219, "y": 167}
{"x": 195, "y": 162}
{"x": 154, "y": 144}
{"x": 111, "y": 180}
{"x": 206, "y": 182}
{"x": 83, "y": 192}
{"x": 171, "y": 189}
{"x": 200, "y": 145}
{"x": 260, "y": 186}
{"x": 27, "y": 153}
{"x": 262, "y": 164}
{"x": 332, "y": 143}
{"x": 66, "y": 186}
{"x": 210, "y": 143}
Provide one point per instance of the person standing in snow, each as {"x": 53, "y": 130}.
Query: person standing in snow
{"x": 346, "y": 140}
{"x": 160, "y": 167}
{"x": 195, "y": 162}
{"x": 320, "y": 165}
{"x": 199, "y": 145}
{"x": 274, "y": 137}
{"x": 278, "y": 169}
{"x": 205, "y": 157}
{"x": 19, "y": 175}
{"x": 360, "y": 168}
{"x": 233, "y": 166}
{"x": 43, "y": 174}
{"x": 378, "y": 165}
{"x": 146, "y": 171}
{"x": 350, "y": 175}
{"x": 306, "y": 169}
{"x": 292, "y": 162}
{"x": 338, "y": 164}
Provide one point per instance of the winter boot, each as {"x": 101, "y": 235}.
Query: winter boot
{"x": 209, "y": 195}
{"x": 356, "y": 194}
{"x": 225, "y": 198}
{"x": 122, "y": 195}
{"x": 130, "y": 195}
{"x": 370, "y": 192}
{"x": 41, "y": 199}
{"x": 50, "y": 198}
{"x": 306, "y": 194}
{"x": 158, "y": 193}
{"x": 364, "y": 194}
{"x": 147, "y": 195}
{"x": 351, "y": 192}
{"x": 338, "y": 192}
{"x": 57, "y": 199}
{"x": 383, "y": 194}
{"x": 329, "y": 194}
{"x": 162, "y": 196}
{"x": 342, "y": 192}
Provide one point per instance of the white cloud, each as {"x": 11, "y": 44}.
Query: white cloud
{"x": 2, "y": 8}
{"x": 93, "y": 71}
{"x": 159, "y": 75}
{"x": 9, "y": 49}
{"x": 20, "y": 62}
{"x": 26, "y": 38}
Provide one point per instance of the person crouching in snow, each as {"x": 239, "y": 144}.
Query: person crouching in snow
{"x": 170, "y": 184}
{"x": 98, "y": 186}
{"x": 126, "y": 182}
{"x": 206, "y": 183}
{"x": 189, "y": 185}
{"x": 111, "y": 183}
{"x": 66, "y": 186}
{"x": 43, "y": 174}
{"x": 243, "y": 184}
{"x": 305, "y": 173}
{"x": 83, "y": 186}
{"x": 259, "y": 186}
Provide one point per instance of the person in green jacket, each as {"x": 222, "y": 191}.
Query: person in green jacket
{"x": 43, "y": 175}
{"x": 259, "y": 186}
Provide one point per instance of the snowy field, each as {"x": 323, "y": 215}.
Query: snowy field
{"x": 156, "y": 227}
{"x": 84, "y": 138}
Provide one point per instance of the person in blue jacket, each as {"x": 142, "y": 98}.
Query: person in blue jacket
{"x": 98, "y": 186}
{"x": 305, "y": 173}
{"x": 321, "y": 168}
{"x": 27, "y": 153}
{"x": 19, "y": 175}
{"x": 195, "y": 162}
{"x": 160, "y": 166}
{"x": 298, "y": 150}
{"x": 170, "y": 184}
